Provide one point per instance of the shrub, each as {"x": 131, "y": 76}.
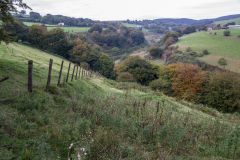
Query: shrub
{"x": 222, "y": 62}
{"x": 142, "y": 71}
{"x": 226, "y": 33}
{"x": 163, "y": 85}
{"x": 156, "y": 51}
{"x": 223, "y": 92}
{"x": 190, "y": 29}
{"x": 189, "y": 49}
{"x": 125, "y": 77}
{"x": 205, "y": 52}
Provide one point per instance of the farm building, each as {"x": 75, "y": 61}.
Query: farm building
{"x": 234, "y": 26}
{"x": 60, "y": 24}
{"x": 210, "y": 29}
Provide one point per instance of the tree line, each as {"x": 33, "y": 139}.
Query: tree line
{"x": 54, "y": 19}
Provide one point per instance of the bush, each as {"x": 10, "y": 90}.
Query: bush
{"x": 190, "y": 29}
{"x": 125, "y": 77}
{"x": 156, "y": 52}
{"x": 222, "y": 62}
{"x": 227, "y": 33}
{"x": 205, "y": 52}
{"x": 162, "y": 84}
{"x": 142, "y": 71}
{"x": 223, "y": 92}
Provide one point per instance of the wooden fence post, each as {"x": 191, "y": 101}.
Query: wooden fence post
{"x": 91, "y": 74}
{"x": 60, "y": 74}
{"x": 30, "y": 73}
{"x": 76, "y": 72}
{"x": 82, "y": 73}
{"x": 73, "y": 72}
{"x": 79, "y": 72}
{"x": 49, "y": 74}
{"x": 68, "y": 71}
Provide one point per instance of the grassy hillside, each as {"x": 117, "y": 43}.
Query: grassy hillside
{"x": 236, "y": 20}
{"x": 109, "y": 120}
{"x": 218, "y": 46}
{"x": 66, "y": 29}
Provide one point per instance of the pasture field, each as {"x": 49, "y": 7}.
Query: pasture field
{"x": 66, "y": 29}
{"x": 135, "y": 26}
{"x": 218, "y": 46}
{"x": 236, "y": 20}
{"x": 233, "y": 32}
{"x": 130, "y": 25}
{"x": 72, "y": 29}
{"x": 110, "y": 120}
{"x": 32, "y": 23}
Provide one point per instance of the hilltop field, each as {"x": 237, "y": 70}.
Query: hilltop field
{"x": 218, "y": 46}
{"x": 110, "y": 120}
{"x": 236, "y": 20}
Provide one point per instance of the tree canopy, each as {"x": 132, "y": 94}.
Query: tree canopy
{"x": 7, "y": 7}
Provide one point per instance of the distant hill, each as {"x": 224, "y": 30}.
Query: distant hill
{"x": 223, "y": 22}
{"x": 188, "y": 21}
{"x": 185, "y": 21}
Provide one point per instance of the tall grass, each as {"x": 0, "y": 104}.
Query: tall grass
{"x": 108, "y": 124}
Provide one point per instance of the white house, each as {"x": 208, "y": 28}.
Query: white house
{"x": 60, "y": 24}
{"x": 209, "y": 29}
{"x": 234, "y": 26}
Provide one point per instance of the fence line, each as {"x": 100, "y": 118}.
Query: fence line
{"x": 80, "y": 73}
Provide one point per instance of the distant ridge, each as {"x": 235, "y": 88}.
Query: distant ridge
{"x": 189, "y": 21}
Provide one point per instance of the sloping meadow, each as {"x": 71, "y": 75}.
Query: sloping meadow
{"x": 101, "y": 119}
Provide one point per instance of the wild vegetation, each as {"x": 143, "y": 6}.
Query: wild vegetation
{"x": 96, "y": 119}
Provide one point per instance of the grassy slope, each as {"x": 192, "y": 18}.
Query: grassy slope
{"x": 218, "y": 46}
{"x": 66, "y": 29}
{"x": 236, "y": 20}
{"x": 101, "y": 116}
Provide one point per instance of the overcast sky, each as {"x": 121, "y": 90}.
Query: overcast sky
{"x": 136, "y": 9}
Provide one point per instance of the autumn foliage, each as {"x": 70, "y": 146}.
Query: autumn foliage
{"x": 181, "y": 80}
{"x": 187, "y": 80}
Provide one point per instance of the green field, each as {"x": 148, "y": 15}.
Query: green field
{"x": 72, "y": 29}
{"x": 236, "y": 20}
{"x": 130, "y": 25}
{"x": 218, "y": 46}
{"x": 233, "y": 32}
{"x": 135, "y": 26}
{"x": 110, "y": 120}
{"x": 66, "y": 29}
{"x": 32, "y": 23}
